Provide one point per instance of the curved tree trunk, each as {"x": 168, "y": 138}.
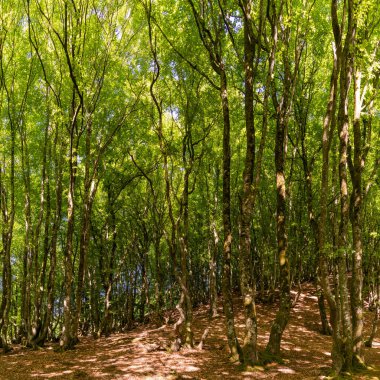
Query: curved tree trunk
{"x": 282, "y": 107}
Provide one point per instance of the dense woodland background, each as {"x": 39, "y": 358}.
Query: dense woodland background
{"x": 160, "y": 154}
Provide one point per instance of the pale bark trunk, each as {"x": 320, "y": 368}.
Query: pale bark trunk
{"x": 245, "y": 260}
{"x": 356, "y": 221}
{"x": 109, "y": 271}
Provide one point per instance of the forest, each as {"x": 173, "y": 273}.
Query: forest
{"x": 158, "y": 157}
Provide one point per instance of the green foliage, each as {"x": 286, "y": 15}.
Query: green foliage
{"x": 84, "y": 73}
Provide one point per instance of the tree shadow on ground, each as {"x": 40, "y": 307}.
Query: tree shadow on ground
{"x": 142, "y": 354}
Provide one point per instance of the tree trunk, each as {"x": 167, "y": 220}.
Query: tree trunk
{"x": 213, "y": 254}
{"x": 94, "y": 303}
{"x": 90, "y": 188}
{"x": 29, "y": 248}
{"x": 109, "y": 271}
{"x": 376, "y": 318}
{"x": 53, "y": 249}
{"x": 67, "y": 340}
{"x": 282, "y": 108}
{"x": 158, "y": 279}
{"x": 236, "y": 353}
{"x": 344, "y": 353}
{"x": 356, "y": 222}
{"x": 214, "y": 47}
{"x": 188, "y": 335}
{"x": 8, "y": 217}
{"x": 245, "y": 259}
{"x": 282, "y": 315}
{"x": 328, "y": 128}
{"x": 213, "y": 242}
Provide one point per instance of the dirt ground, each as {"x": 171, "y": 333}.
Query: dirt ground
{"x": 141, "y": 354}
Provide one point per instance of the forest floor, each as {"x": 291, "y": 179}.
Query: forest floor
{"x": 141, "y": 354}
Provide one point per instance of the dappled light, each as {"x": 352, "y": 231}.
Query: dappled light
{"x": 189, "y": 189}
{"x": 143, "y": 353}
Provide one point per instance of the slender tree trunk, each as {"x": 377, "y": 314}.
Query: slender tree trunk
{"x": 282, "y": 316}
{"x": 89, "y": 194}
{"x": 328, "y": 128}
{"x": 144, "y": 297}
{"x": 236, "y": 353}
{"x": 29, "y": 248}
{"x": 94, "y": 303}
{"x": 184, "y": 334}
{"x": 130, "y": 304}
{"x": 213, "y": 249}
{"x": 159, "y": 278}
{"x": 345, "y": 345}
{"x": 8, "y": 217}
{"x": 109, "y": 271}
{"x": 376, "y": 317}
{"x": 282, "y": 107}
{"x": 214, "y": 47}
{"x": 213, "y": 243}
{"x": 67, "y": 340}
{"x": 245, "y": 259}
{"x": 356, "y": 221}
{"x": 53, "y": 247}
{"x": 187, "y": 334}
{"x": 39, "y": 274}
{"x": 315, "y": 227}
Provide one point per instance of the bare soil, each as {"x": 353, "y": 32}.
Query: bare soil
{"x": 142, "y": 354}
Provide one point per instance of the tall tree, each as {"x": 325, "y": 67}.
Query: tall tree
{"x": 283, "y": 105}
{"x": 214, "y": 45}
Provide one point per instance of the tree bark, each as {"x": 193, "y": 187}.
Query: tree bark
{"x": 247, "y": 201}
{"x": 282, "y": 107}
{"x": 236, "y": 353}
{"x": 90, "y": 188}
{"x": 67, "y": 340}
{"x": 356, "y": 222}
{"x": 345, "y": 351}
{"x": 53, "y": 245}
{"x": 328, "y": 128}
{"x": 8, "y": 217}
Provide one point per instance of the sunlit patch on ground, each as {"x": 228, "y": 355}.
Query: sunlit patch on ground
{"x": 141, "y": 354}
